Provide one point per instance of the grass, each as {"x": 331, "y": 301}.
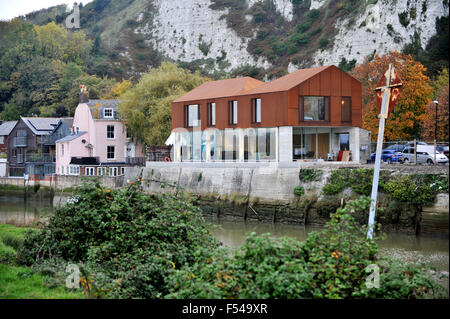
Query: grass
{"x": 20, "y": 282}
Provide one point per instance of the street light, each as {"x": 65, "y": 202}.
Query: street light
{"x": 435, "y": 128}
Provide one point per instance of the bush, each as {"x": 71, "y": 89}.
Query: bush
{"x": 309, "y": 174}
{"x": 328, "y": 264}
{"x": 128, "y": 241}
{"x": 299, "y": 191}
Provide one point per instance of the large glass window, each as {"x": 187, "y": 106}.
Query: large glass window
{"x": 191, "y": 115}
{"x": 314, "y": 108}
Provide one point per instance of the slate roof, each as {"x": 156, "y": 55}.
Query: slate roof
{"x": 41, "y": 125}
{"x": 221, "y": 88}
{"x": 70, "y": 137}
{"x": 97, "y": 107}
{"x": 6, "y": 127}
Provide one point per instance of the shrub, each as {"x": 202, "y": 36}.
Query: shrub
{"x": 309, "y": 174}
{"x": 129, "y": 241}
{"x": 403, "y": 18}
{"x": 328, "y": 264}
{"x": 299, "y": 191}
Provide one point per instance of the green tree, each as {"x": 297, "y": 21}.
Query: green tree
{"x": 146, "y": 107}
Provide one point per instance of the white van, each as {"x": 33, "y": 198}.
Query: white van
{"x": 425, "y": 154}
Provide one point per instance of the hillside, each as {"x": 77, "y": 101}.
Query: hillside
{"x": 262, "y": 38}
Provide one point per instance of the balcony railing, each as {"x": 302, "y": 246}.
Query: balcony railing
{"x": 20, "y": 141}
{"x": 139, "y": 161}
{"x": 41, "y": 158}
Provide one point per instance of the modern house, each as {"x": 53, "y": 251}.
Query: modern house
{"x": 307, "y": 115}
{"x": 5, "y": 130}
{"x": 98, "y": 143}
{"x": 28, "y": 150}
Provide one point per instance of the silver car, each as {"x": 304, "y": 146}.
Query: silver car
{"x": 425, "y": 154}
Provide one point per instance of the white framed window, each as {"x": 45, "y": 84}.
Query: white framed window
{"x": 2, "y": 139}
{"x": 122, "y": 171}
{"x": 212, "y": 114}
{"x": 101, "y": 171}
{"x": 111, "y": 152}
{"x": 110, "y": 132}
{"x": 113, "y": 171}
{"x": 108, "y": 113}
{"x": 256, "y": 110}
{"x": 73, "y": 170}
{"x": 232, "y": 112}
{"x": 89, "y": 171}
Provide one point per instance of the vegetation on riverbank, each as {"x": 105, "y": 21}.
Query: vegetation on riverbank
{"x": 24, "y": 282}
{"x": 129, "y": 244}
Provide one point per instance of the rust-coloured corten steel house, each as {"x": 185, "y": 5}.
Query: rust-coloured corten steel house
{"x": 309, "y": 114}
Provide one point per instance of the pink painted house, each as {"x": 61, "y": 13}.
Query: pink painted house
{"x": 99, "y": 144}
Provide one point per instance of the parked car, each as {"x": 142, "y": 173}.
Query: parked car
{"x": 417, "y": 143}
{"x": 389, "y": 156}
{"x": 442, "y": 149}
{"x": 396, "y": 147}
{"x": 424, "y": 155}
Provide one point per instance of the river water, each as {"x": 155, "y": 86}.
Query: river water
{"x": 432, "y": 250}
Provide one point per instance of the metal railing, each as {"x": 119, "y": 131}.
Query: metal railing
{"x": 20, "y": 141}
{"x": 40, "y": 158}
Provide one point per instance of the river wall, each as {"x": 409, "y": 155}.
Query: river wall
{"x": 265, "y": 191}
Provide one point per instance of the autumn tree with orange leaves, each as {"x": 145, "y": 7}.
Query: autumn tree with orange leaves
{"x": 440, "y": 94}
{"x": 408, "y": 115}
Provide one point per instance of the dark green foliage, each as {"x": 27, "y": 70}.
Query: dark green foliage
{"x": 299, "y": 191}
{"x": 127, "y": 240}
{"x": 328, "y": 264}
{"x": 416, "y": 189}
{"x": 403, "y": 18}
{"x": 346, "y": 66}
{"x": 309, "y": 175}
{"x": 324, "y": 42}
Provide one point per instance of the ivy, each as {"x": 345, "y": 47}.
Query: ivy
{"x": 299, "y": 191}
{"x": 309, "y": 174}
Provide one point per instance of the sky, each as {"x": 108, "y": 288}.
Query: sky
{"x": 12, "y": 8}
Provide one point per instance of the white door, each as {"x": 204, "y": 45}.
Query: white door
{"x": 130, "y": 150}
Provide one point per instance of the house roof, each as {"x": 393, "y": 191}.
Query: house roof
{"x": 97, "y": 107}
{"x": 41, "y": 125}
{"x": 288, "y": 81}
{"x": 221, "y": 88}
{"x": 70, "y": 137}
{"x": 6, "y": 127}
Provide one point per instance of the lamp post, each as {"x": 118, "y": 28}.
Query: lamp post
{"x": 435, "y": 128}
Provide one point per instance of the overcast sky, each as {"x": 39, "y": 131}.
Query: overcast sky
{"x": 12, "y": 8}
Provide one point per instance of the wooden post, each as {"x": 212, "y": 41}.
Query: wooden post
{"x": 415, "y": 152}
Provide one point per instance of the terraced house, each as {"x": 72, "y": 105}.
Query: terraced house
{"x": 98, "y": 143}
{"x": 308, "y": 115}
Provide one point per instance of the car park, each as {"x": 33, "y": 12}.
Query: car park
{"x": 389, "y": 156}
{"x": 424, "y": 153}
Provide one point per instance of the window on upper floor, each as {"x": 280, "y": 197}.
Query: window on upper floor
{"x": 191, "y": 115}
{"x": 211, "y": 114}
{"x": 108, "y": 113}
{"x": 232, "y": 112}
{"x": 314, "y": 108}
{"x": 2, "y": 139}
{"x": 62, "y": 149}
{"x": 256, "y": 110}
{"x": 111, "y": 152}
{"x": 346, "y": 109}
{"x": 110, "y": 131}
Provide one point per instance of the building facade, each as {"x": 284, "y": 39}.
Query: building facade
{"x": 28, "y": 152}
{"x": 98, "y": 143}
{"x": 5, "y": 130}
{"x": 308, "y": 115}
